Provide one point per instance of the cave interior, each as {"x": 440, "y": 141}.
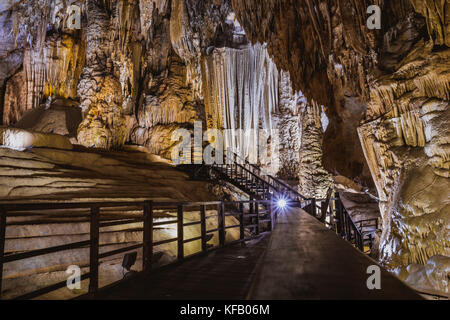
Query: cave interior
{"x": 126, "y": 100}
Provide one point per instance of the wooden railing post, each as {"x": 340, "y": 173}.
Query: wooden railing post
{"x": 180, "y": 232}
{"x": 203, "y": 227}
{"x": 313, "y": 207}
{"x": 241, "y": 224}
{"x": 147, "y": 249}
{"x": 257, "y": 217}
{"x": 93, "y": 252}
{"x": 349, "y": 227}
{"x": 221, "y": 223}
{"x": 272, "y": 217}
{"x": 324, "y": 206}
{"x": 360, "y": 242}
{"x": 338, "y": 208}
{"x": 2, "y": 243}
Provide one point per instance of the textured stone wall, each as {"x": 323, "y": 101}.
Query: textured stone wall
{"x": 390, "y": 85}
{"x": 314, "y": 180}
{"x": 406, "y": 149}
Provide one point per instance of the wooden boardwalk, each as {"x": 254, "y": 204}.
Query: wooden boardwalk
{"x": 221, "y": 274}
{"x": 300, "y": 260}
{"x": 305, "y": 260}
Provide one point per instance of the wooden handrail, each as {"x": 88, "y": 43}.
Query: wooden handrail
{"x": 266, "y": 184}
{"x": 40, "y": 252}
{"x": 285, "y": 185}
{"x": 276, "y": 180}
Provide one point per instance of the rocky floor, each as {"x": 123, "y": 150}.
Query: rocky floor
{"x": 81, "y": 175}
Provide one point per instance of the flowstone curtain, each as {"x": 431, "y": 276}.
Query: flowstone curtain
{"x": 241, "y": 92}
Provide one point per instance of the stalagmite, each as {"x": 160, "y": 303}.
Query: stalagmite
{"x": 314, "y": 180}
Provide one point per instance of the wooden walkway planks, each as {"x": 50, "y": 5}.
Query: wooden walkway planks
{"x": 221, "y": 274}
{"x": 301, "y": 260}
{"x": 305, "y": 260}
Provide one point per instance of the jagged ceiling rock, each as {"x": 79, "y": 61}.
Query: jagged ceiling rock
{"x": 437, "y": 13}
{"x": 327, "y": 47}
{"x": 193, "y": 26}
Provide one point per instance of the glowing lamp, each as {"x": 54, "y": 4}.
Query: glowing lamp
{"x": 281, "y": 203}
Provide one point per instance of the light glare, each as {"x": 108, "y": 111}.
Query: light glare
{"x": 281, "y": 203}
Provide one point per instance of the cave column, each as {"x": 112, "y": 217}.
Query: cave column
{"x": 100, "y": 90}
{"x": 314, "y": 180}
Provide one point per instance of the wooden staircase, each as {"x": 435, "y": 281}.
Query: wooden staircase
{"x": 262, "y": 186}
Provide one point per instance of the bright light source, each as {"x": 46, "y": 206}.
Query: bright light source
{"x": 281, "y": 203}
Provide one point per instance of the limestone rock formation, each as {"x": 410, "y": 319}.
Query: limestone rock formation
{"x": 406, "y": 149}
{"x": 314, "y": 180}
{"x": 99, "y": 89}
{"x": 59, "y": 116}
{"x": 286, "y": 118}
{"x": 394, "y": 81}
{"x": 21, "y": 139}
{"x": 241, "y": 94}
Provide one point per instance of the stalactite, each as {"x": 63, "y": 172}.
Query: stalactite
{"x": 241, "y": 92}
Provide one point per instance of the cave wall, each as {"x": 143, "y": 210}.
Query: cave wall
{"x": 140, "y": 70}
{"x": 386, "y": 94}
{"x": 339, "y": 55}
{"x": 405, "y": 140}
